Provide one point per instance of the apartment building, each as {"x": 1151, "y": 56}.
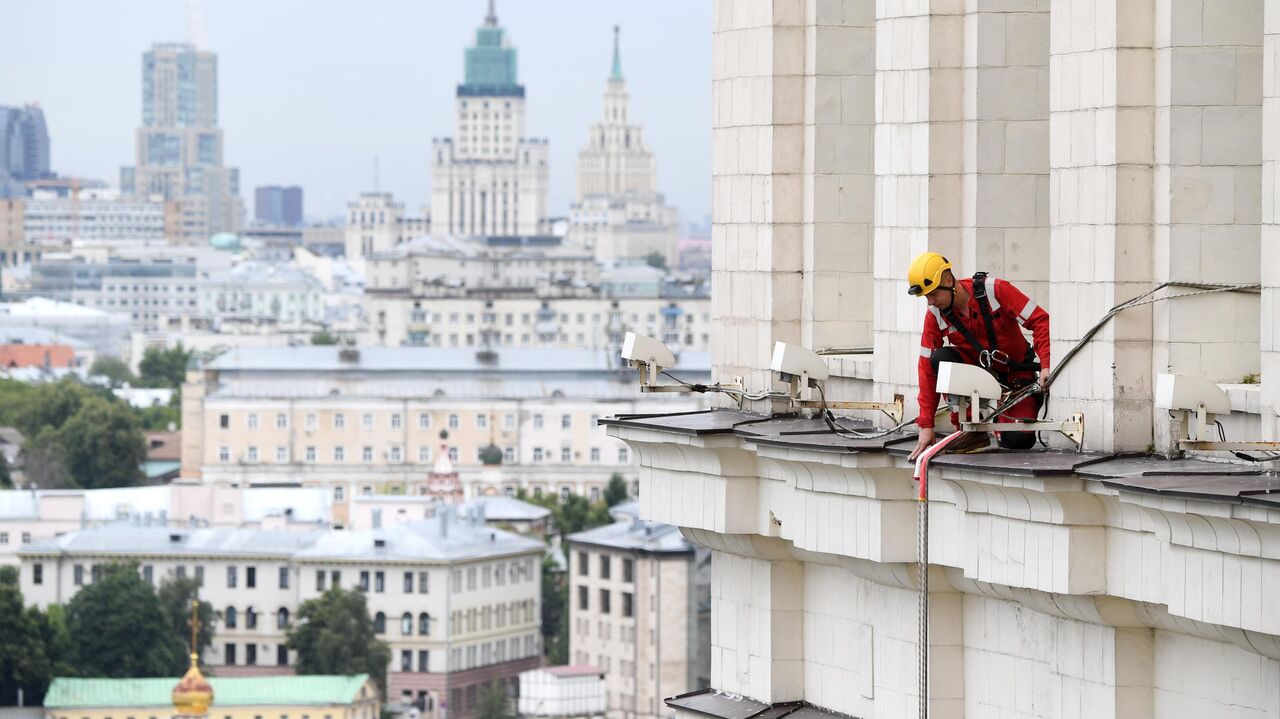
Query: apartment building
{"x": 638, "y": 600}
{"x": 373, "y": 420}
{"x": 456, "y": 601}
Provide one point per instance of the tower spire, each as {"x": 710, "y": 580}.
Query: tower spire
{"x": 491, "y": 19}
{"x": 616, "y": 74}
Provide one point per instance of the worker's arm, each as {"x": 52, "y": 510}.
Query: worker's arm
{"x": 1031, "y": 316}
{"x": 930, "y": 340}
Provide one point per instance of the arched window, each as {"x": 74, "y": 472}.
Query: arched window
{"x": 250, "y": 619}
{"x": 406, "y": 624}
{"x": 229, "y": 618}
{"x": 424, "y": 624}
{"x": 282, "y": 618}
{"x": 379, "y": 623}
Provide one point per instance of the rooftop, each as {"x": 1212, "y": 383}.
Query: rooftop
{"x": 430, "y": 360}
{"x": 637, "y": 535}
{"x": 312, "y": 690}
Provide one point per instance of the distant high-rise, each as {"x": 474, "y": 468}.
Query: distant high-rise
{"x": 179, "y": 146}
{"x": 276, "y": 205}
{"x": 24, "y": 148}
{"x": 490, "y": 180}
{"x": 619, "y": 212}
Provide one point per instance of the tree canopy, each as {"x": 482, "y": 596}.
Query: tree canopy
{"x": 114, "y": 369}
{"x": 616, "y": 491}
{"x": 164, "y": 367}
{"x": 555, "y": 606}
{"x": 175, "y": 595}
{"x": 656, "y": 259}
{"x": 493, "y": 702}
{"x": 334, "y": 635}
{"x": 103, "y": 445}
{"x": 120, "y": 628}
{"x": 24, "y": 661}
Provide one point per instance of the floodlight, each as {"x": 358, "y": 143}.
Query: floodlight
{"x": 647, "y": 355}
{"x": 1183, "y": 392}
{"x": 799, "y": 366}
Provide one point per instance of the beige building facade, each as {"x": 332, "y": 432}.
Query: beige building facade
{"x": 637, "y": 592}
{"x": 1090, "y": 152}
{"x": 370, "y": 421}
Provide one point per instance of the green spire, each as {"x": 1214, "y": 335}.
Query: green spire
{"x": 490, "y": 62}
{"x": 616, "y": 74}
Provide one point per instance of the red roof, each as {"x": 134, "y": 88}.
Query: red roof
{"x": 36, "y": 356}
{"x": 574, "y": 670}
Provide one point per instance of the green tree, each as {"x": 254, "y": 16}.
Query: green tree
{"x": 42, "y": 463}
{"x": 114, "y": 369}
{"x": 49, "y": 406}
{"x": 493, "y": 702}
{"x": 103, "y": 445}
{"x": 555, "y": 606}
{"x": 656, "y": 259}
{"x": 120, "y": 628}
{"x": 175, "y": 595}
{"x": 334, "y": 635}
{"x": 324, "y": 337}
{"x": 24, "y": 663}
{"x": 616, "y": 491}
{"x": 164, "y": 367}
{"x": 57, "y": 639}
{"x": 6, "y": 477}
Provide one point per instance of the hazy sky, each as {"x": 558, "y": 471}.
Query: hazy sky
{"x": 311, "y": 90}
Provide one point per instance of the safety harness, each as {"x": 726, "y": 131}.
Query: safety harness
{"x": 990, "y": 356}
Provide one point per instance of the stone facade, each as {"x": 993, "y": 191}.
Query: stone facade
{"x": 1091, "y": 152}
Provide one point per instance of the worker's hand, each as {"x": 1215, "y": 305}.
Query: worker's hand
{"x": 925, "y": 439}
{"x": 1044, "y": 382}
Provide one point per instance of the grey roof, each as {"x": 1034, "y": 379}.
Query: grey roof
{"x": 434, "y": 359}
{"x": 34, "y": 335}
{"x": 636, "y": 535}
{"x": 503, "y": 508}
{"x": 443, "y": 384}
{"x": 630, "y": 508}
{"x": 416, "y": 541}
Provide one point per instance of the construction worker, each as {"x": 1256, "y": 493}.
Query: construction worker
{"x": 977, "y": 321}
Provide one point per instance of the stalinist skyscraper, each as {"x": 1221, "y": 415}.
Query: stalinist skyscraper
{"x": 619, "y": 213}
{"x": 490, "y": 180}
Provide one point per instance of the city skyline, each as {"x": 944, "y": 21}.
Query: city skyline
{"x": 307, "y": 138}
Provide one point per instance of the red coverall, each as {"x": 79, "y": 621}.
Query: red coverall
{"x": 1009, "y": 309}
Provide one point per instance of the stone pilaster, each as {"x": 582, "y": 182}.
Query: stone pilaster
{"x": 1269, "y": 334}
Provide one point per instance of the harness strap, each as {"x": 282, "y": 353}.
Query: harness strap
{"x": 991, "y": 351}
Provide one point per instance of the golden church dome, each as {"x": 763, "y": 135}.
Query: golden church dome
{"x": 193, "y": 694}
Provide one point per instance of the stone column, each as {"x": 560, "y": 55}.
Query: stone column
{"x": 1269, "y": 335}
{"x": 1100, "y": 138}
{"x": 839, "y": 184}
{"x": 918, "y": 163}
{"x": 757, "y": 627}
{"x": 1208, "y": 153}
{"x": 1006, "y": 143}
{"x": 758, "y": 92}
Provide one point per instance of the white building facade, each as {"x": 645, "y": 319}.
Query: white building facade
{"x": 1089, "y": 152}
{"x": 95, "y": 215}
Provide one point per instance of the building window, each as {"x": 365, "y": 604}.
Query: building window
{"x": 366, "y": 421}
{"x": 626, "y": 604}
{"x": 453, "y": 454}
{"x": 282, "y": 420}
{"x": 509, "y": 422}
{"x": 250, "y": 654}
{"x": 251, "y": 577}
{"x": 379, "y": 581}
{"x": 408, "y": 582}
{"x": 537, "y": 421}
{"x": 282, "y": 657}
{"x": 37, "y": 574}
{"x": 282, "y": 618}
{"x": 312, "y": 421}
{"x": 595, "y": 455}
{"x": 319, "y": 580}
{"x": 453, "y": 421}
{"x": 379, "y": 622}
{"x": 424, "y": 624}
{"x": 253, "y": 420}
{"x": 4, "y": 537}
{"x": 224, "y": 454}
{"x": 584, "y": 567}
{"x": 482, "y": 421}
{"x": 284, "y": 577}
{"x": 224, "y": 421}
{"x": 537, "y": 455}
{"x": 424, "y": 662}
{"x": 252, "y": 454}
{"x": 366, "y": 455}
{"x": 604, "y": 566}
{"x": 364, "y": 581}
{"x": 229, "y": 618}
{"x": 604, "y": 601}
{"x": 250, "y": 618}
{"x": 628, "y": 570}
{"x": 583, "y": 593}
{"x": 566, "y": 421}
{"x": 424, "y": 420}
{"x": 310, "y": 455}
{"x": 406, "y": 660}
{"x": 566, "y": 455}
{"x": 339, "y": 494}
{"x": 231, "y": 577}
{"x": 282, "y": 455}
{"x": 339, "y": 454}
{"x": 509, "y": 455}
{"x": 396, "y": 420}
{"x": 229, "y": 654}
{"x": 422, "y": 582}
{"x": 339, "y": 420}
{"x": 424, "y": 454}
{"x": 406, "y": 624}
{"x": 624, "y": 456}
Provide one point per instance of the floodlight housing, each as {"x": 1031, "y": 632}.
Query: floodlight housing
{"x": 799, "y": 366}
{"x": 1187, "y": 393}
{"x": 647, "y": 355}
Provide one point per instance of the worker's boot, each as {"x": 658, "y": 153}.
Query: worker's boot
{"x": 969, "y": 442}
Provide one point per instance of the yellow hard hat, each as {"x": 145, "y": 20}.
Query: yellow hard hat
{"x": 925, "y": 273}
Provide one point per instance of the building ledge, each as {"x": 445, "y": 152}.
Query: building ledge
{"x": 707, "y": 702}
